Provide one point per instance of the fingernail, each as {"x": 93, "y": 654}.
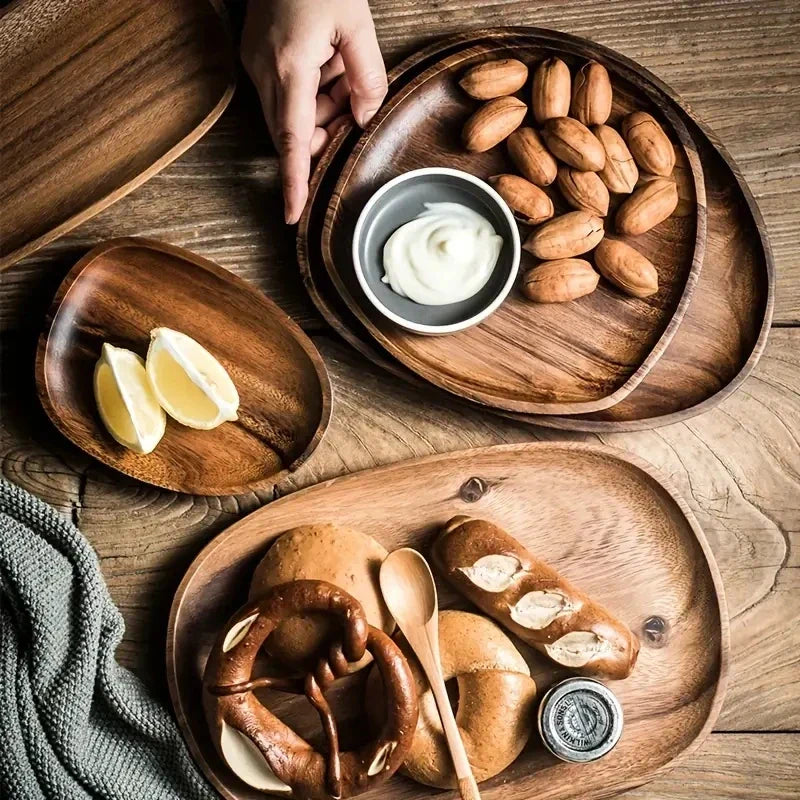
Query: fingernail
{"x": 364, "y": 117}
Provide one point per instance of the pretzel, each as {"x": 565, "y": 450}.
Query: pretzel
{"x": 265, "y": 752}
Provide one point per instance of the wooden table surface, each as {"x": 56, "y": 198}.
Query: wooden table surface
{"x": 738, "y": 64}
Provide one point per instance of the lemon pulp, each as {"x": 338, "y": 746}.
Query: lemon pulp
{"x": 189, "y": 383}
{"x": 126, "y": 402}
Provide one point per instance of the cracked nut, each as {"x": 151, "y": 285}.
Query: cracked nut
{"x": 574, "y": 144}
{"x": 650, "y": 204}
{"x": 550, "y": 94}
{"x": 591, "y": 94}
{"x": 583, "y": 190}
{"x": 649, "y": 144}
{"x": 528, "y": 202}
{"x": 626, "y": 268}
{"x": 566, "y": 236}
{"x": 531, "y": 157}
{"x": 620, "y": 172}
{"x": 494, "y": 78}
{"x": 492, "y": 123}
{"x": 557, "y": 282}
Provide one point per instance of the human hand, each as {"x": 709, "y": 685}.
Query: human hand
{"x": 307, "y": 58}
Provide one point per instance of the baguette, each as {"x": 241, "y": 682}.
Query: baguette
{"x": 529, "y": 598}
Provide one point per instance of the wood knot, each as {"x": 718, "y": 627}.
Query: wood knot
{"x": 472, "y": 490}
{"x": 655, "y": 631}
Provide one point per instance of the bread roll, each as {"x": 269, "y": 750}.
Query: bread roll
{"x": 342, "y": 556}
{"x": 494, "y": 571}
{"x": 496, "y": 701}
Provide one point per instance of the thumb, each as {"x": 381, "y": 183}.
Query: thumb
{"x": 365, "y": 71}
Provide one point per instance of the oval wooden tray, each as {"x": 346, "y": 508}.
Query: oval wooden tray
{"x": 97, "y": 97}
{"x": 724, "y": 330}
{"x": 558, "y": 358}
{"x": 630, "y": 542}
{"x": 124, "y": 288}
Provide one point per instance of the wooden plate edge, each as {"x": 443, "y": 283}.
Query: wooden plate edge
{"x": 294, "y": 329}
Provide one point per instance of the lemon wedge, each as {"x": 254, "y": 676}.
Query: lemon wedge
{"x": 126, "y": 402}
{"x": 189, "y": 383}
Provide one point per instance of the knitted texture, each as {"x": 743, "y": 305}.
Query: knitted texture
{"x": 75, "y": 725}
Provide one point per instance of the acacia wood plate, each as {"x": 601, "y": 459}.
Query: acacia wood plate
{"x": 563, "y": 358}
{"x": 97, "y": 97}
{"x": 119, "y": 292}
{"x": 630, "y": 542}
{"x": 724, "y": 330}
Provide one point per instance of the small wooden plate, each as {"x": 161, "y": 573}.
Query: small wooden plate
{"x": 630, "y": 542}
{"x": 97, "y": 97}
{"x": 564, "y": 358}
{"x": 119, "y": 292}
{"x": 725, "y": 328}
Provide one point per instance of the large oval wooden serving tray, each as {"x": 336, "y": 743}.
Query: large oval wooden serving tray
{"x": 629, "y": 541}
{"x": 97, "y": 97}
{"x": 124, "y": 288}
{"x": 724, "y": 330}
{"x": 557, "y": 358}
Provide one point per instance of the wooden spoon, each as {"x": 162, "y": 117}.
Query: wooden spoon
{"x": 410, "y": 594}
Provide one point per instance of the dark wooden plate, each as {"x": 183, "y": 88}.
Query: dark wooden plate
{"x": 560, "y": 358}
{"x": 630, "y": 542}
{"x": 124, "y": 288}
{"x": 97, "y": 97}
{"x": 724, "y": 330}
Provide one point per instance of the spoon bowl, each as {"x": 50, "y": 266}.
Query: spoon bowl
{"x": 408, "y": 588}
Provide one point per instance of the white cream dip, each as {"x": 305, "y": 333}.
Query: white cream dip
{"x": 445, "y": 255}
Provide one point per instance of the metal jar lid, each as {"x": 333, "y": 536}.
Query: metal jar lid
{"x": 580, "y": 719}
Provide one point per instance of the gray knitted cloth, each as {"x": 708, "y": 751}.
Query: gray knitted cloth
{"x": 73, "y": 723}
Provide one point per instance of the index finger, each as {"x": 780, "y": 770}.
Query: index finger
{"x": 297, "y": 92}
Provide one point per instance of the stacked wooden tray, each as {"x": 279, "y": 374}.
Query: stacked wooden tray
{"x": 620, "y": 364}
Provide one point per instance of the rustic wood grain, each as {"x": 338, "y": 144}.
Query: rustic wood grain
{"x": 123, "y": 91}
{"x": 731, "y": 767}
{"x": 737, "y": 64}
{"x": 123, "y": 289}
{"x": 629, "y": 544}
{"x": 742, "y": 492}
{"x": 734, "y": 62}
{"x": 526, "y": 358}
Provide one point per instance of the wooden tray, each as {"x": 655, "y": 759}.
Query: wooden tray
{"x": 97, "y": 97}
{"x": 121, "y": 290}
{"x": 725, "y": 328}
{"x": 558, "y": 358}
{"x": 630, "y": 542}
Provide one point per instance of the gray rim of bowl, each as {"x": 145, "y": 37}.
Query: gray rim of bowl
{"x": 455, "y": 326}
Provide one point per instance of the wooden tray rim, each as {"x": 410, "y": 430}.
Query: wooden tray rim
{"x": 518, "y": 448}
{"x": 687, "y": 144}
{"x": 562, "y": 423}
{"x": 167, "y": 158}
{"x": 278, "y": 314}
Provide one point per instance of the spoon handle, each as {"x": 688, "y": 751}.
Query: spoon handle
{"x": 467, "y": 785}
